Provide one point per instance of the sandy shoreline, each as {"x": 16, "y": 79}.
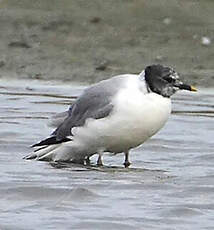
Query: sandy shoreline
{"x": 88, "y": 41}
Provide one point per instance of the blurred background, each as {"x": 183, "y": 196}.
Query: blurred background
{"x": 86, "y": 41}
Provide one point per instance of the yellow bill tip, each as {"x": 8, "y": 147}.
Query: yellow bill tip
{"x": 193, "y": 88}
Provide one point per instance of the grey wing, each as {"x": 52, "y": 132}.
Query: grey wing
{"x": 57, "y": 119}
{"x": 95, "y": 102}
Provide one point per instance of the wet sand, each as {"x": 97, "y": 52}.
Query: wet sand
{"x": 168, "y": 186}
{"x": 86, "y": 41}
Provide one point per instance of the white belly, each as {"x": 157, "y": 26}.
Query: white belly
{"x": 136, "y": 117}
{"x": 146, "y": 117}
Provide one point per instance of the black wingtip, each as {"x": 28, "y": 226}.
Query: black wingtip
{"x": 50, "y": 141}
{"x": 30, "y": 157}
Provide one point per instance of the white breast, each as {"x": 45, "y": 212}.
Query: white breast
{"x": 137, "y": 115}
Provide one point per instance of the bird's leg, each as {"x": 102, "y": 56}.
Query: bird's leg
{"x": 126, "y": 162}
{"x": 87, "y": 161}
{"x": 99, "y": 160}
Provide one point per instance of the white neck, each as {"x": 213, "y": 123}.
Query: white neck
{"x": 142, "y": 79}
{"x": 142, "y": 75}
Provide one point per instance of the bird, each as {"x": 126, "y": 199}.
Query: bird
{"x": 114, "y": 116}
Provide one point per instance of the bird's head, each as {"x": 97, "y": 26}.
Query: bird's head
{"x": 164, "y": 80}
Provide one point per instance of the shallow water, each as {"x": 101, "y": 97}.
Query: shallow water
{"x": 170, "y": 184}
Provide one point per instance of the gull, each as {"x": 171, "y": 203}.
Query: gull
{"x": 114, "y": 115}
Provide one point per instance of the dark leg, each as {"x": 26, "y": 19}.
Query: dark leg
{"x": 99, "y": 160}
{"x": 87, "y": 161}
{"x": 126, "y": 162}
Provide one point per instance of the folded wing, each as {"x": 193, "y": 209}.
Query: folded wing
{"x": 96, "y": 102}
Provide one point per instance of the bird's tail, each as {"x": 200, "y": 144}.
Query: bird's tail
{"x": 46, "y": 153}
{"x": 64, "y": 151}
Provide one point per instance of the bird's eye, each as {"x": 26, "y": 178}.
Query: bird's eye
{"x": 169, "y": 79}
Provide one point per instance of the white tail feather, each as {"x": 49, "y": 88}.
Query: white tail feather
{"x": 43, "y": 152}
{"x": 57, "y": 152}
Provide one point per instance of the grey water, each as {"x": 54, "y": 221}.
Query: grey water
{"x": 170, "y": 184}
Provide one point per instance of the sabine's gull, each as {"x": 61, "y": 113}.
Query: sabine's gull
{"x": 114, "y": 115}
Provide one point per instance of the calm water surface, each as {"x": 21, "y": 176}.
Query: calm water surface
{"x": 170, "y": 184}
